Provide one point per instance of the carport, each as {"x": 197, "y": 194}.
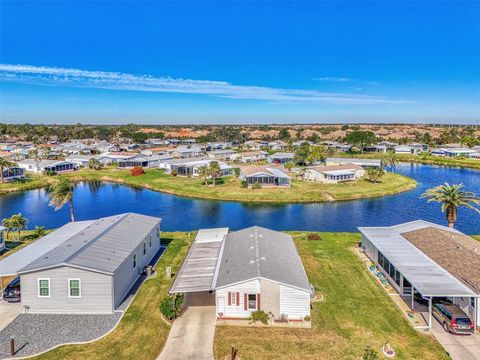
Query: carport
{"x": 410, "y": 271}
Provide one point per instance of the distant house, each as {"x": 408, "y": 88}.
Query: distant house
{"x": 143, "y": 161}
{"x": 267, "y": 176}
{"x": 475, "y": 155}
{"x": 277, "y": 145}
{"x": 419, "y": 146}
{"x": 365, "y": 163}
{"x": 14, "y": 173}
{"x": 421, "y": 258}
{"x": 186, "y": 152}
{"x": 332, "y": 174}
{"x": 218, "y": 146}
{"x": 406, "y": 149}
{"x": 83, "y": 160}
{"x": 221, "y": 154}
{"x": 250, "y": 156}
{"x": 248, "y": 270}
{"x": 376, "y": 148}
{"x": 280, "y": 157}
{"x": 453, "y": 152}
{"x": 191, "y": 167}
{"x": 159, "y": 151}
{"x": 255, "y": 144}
{"x": 86, "y": 267}
{"x": 43, "y": 166}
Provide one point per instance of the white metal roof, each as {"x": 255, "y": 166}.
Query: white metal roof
{"x": 429, "y": 278}
{"x": 13, "y": 263}
{"x": 339, "y": 172}
{"x": 198, "y": 269}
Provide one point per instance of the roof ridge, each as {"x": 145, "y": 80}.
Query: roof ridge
{"x": 93, "y": 241}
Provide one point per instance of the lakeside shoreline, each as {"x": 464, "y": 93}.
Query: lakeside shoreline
{"x": 301, "y": 192}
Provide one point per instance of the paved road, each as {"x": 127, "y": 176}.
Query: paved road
{"x": 191, "y": 336}
{"x": 459, "y": 347}
{"x": 8, "y": 312}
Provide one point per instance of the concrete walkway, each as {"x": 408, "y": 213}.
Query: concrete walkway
{"x": 191, "y": 336}
{"x": 460, "y": 347}
{"x": 8, "y": 312}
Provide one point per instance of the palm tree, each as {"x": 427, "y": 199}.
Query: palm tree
{"x": 374, "y": 174}
{"x": 9, "y": 226}
{"x": 452, "y": 197}
{"x": 36, "y": 155}
{"x": 19, "y": 223}
{"x": 39, "y": 231}
{"x": 204, "y": 172}
{"x": 5, "y": 164}
{"x": 94, "y": 164}
{"x": 389, "y": 159}
{"x": 214, "y": 171}
{"x": 60, "y": 194}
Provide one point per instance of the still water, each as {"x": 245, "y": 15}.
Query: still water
{"x": 97, "y": 200}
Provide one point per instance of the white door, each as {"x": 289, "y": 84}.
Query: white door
{"x": 221, "y": 305}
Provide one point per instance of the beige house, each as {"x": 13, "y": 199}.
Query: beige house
{"x": 332, "y": 174}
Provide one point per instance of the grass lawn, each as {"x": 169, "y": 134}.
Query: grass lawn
{"x": 141, "y": 333}
{"x": 13, "y": 245}
{"x": 229, "y": 188}
{"x": 31, "y": 182}
{"x": 476, "y": 237}
{"x": 356, "y": 312}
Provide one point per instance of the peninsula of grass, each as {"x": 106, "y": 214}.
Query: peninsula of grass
{"x": 229, "y": 189}
{"x": 355, "y": 313}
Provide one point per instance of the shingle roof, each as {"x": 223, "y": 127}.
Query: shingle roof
{"x": 258, "y": 252}
{"x": 102, "y": 246}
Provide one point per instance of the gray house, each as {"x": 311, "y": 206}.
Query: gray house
{"x": 93, "y": 269}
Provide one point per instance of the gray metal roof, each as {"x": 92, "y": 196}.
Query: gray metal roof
{"x": 258, "y": 252}
{"x": 364, "y": 162}
{"x": 101, "y": 246}
{"x": 12, "y": 264}
{"x": 429, "y": 278}
{"x": 282, "y": 155}
{"x": 198, "y": 269}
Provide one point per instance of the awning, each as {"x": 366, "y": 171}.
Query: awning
{"x": 10, "y": 265}
{"x": 198, "y": 269}
{"x": 428, "y": 278}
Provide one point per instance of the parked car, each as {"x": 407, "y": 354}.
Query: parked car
{"x": 453, "y": 319}
{"x": 11, "y": 293}
{"x": 424, "y": 300}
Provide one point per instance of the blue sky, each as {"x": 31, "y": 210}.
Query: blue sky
{"x": 239, "y": 62}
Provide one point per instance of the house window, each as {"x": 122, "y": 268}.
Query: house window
{"x": 252, "y": 301}
{"x": 44, "y": 288}
{"x": 144, "y": 248}
{"x": 74, "y": 288}
{"x": 134, "y": 261}
{"x": 233, "y": 298}
{"x": 472, "y": 302}
{"x": 150, "y": 242}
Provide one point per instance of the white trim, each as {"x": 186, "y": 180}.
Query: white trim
{"x": 70, "y": 296}
{"x": 38, "y": 288}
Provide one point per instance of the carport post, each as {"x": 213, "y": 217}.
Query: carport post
{"x": 475, "y": 314}
{"x": 413, "y": 298}
{"x": 430, "y": 313}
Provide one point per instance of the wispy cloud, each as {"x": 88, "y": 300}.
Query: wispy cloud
{"x": 53, "y": 76}
{"x": 344, "y": 80}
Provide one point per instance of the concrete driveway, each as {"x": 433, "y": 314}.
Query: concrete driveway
{"x": 8, "y": 312}
{"x": 191, "y": 336}
{"x": 460, "y": 347}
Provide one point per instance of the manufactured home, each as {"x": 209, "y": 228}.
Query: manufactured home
{"x": 86, "y": 267}
{"x": 44, "y": 166}
{"x": 424, "y": 260}
{"x": 249, "y": 156}
{"x": 332, "y": 174}
{"x": 247, "y": 270}
{"x": 280, "y": 157}
{"x": 267, "y": 176}
{"x": 13, "y": 173}
{"x": 365, "y": 163}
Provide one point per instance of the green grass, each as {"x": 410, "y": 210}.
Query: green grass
{"x": 477, "y": 237}
{"x": 31, "y": 182}
{"x": 141, "y": 333}
{"x": 229, "y": 188}
{"x": 13, "y": 245}
{"x": 356, "y": 312}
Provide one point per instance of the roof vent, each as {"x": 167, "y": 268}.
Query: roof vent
{"x": 260, "y": 235}
{"x": 252, "y": 262}
{"x": 252, "y": 247}
{"x": 263, "y": 258}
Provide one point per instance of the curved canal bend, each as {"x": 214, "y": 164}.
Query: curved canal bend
{"x": 182, "y": 214}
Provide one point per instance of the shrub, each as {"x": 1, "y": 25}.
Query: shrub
{"x": 259, "y": 315}
{"x": 50, "y": 173}
{"x": 137, "y": 170}
{"x": 257, "y": 186}
{"x": 307, "y": 318}
{"x": 244, "y": 184}
{"x": 174, "y": 172}
{"x": 170, "y": 307}
{"x": 370, "y": 354}
{"x": 236, "y": 171}
{"x": 313, "y": 236}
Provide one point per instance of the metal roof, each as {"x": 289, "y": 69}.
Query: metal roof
{"x": 258, "y": 252}
{"x": 11, "y": 265}
{"x": 429, "y": 278}
{"x": 101, "y": 246}
{"x": 198, "y": 269}
{"x": 364, "y": 162}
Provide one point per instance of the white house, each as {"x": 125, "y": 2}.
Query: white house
{"x": 422, "y": 258}
{"x": 406, "y": 149}
{"x": 82, "y": 160}
{"x": 365, "y": 163}
{"x": 453, "y": 152}
{"x": 280, "y": 157}
{"x": 86, "y": 267}
{"x": 332, "y": 174}
{"x": 247, "y": 270}
{"x": 191, "y": 167}
{"x": 249, "y": 156}
{"x": 266, "y": 176}
{"x": 221, "y": 154}
{"x": 13, "y": 173}
{"x": 43, "y": 166}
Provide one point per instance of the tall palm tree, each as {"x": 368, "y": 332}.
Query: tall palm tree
{"x": 452, "y": 197}
{"x": 5, "y": 164}
{"x": 19, "y": 222}
{"x": 60, "y": 194}
{"x": 9, "y": 226}
{"x": 204, "y": 172}
{"x": 214, "y": 171}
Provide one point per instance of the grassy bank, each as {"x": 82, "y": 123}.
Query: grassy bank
{"x": 13, "y": 244}
{"x": 141, "y": 333}
{"x": 356, "y": 312}
{"x": 229, "y": 188}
